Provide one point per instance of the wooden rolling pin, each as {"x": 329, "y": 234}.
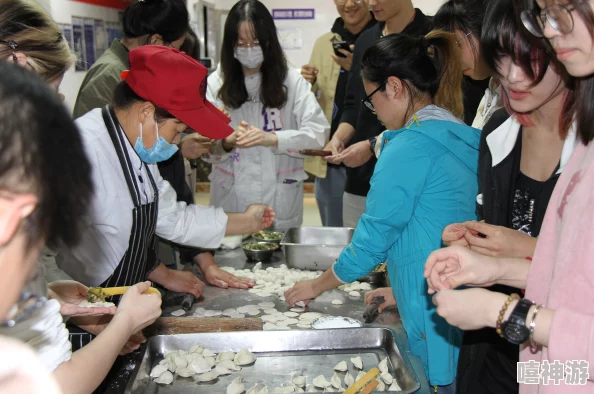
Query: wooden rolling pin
{"x": 188, "y": 325}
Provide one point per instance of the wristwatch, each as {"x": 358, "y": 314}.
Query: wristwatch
{"x": 372, "y": 142}
{"x": 514, "y": 329}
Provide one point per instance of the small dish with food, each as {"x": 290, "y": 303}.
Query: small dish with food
{"x": 268, "y": 236}
{"x": 259, "y": 251}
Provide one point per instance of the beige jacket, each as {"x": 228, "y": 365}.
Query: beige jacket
{"x": 324, "y": 89}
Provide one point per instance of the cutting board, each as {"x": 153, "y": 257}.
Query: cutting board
{"x": 187, "y": 325}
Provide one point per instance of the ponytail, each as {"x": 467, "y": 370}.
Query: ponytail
{"x": 442, "y": 47}
{"x": 427, "y": 65}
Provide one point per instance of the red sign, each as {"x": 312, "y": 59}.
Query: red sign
{"x": 118, "y": 4}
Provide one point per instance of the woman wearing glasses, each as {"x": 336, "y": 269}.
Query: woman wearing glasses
{"x": 426, "y": 175}
{"x": 274, "y": 114}
{"x": 553, "y": 323}
{"x": 521, "y": 159}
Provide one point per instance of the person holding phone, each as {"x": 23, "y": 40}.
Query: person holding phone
{"x": 328, "y": 72}
{"x": 357, "y": 125}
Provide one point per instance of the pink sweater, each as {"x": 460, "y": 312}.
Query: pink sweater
{"x": 562, "y": 272}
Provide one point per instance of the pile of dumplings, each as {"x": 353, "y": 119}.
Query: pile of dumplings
{"x": 201, "y": 364}
{"x": 385, "y": 381}
{"x": 273, "y": 281}
{"x": 205, "y": 366}
{"x": 273, "y": 319}
{"x": 354, "y": 289}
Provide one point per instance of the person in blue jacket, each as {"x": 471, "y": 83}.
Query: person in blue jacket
{"x": 426, "y": 177}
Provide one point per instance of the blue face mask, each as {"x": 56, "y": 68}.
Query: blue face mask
{"x": 161, "y": 151}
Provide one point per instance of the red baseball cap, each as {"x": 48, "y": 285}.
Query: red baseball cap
{"x": 174, "y": 81}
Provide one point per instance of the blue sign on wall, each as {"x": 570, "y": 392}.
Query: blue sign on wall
{"x": 298, "y": 13}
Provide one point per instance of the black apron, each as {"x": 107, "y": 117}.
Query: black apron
{"x": 141, "y": 256}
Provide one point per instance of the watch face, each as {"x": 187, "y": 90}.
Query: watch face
{"x": 516, "y": 333}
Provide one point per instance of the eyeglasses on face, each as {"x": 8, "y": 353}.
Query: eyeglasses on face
{"x": 558, "y": 15}
{"x": 367, "y": 100}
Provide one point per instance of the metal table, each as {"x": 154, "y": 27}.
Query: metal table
{"x": 221, "y": 299}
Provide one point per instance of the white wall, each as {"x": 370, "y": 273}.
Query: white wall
{"x": 63, "y": 10}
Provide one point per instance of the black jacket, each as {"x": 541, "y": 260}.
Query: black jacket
{"x": 497, "y": 184}
{"x": 488, "y": 363}
{"x": 356, "y": 114}
{"x": 174, "y": 172}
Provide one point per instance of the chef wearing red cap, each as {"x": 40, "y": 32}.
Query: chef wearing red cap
{"x": 163, "y": 94}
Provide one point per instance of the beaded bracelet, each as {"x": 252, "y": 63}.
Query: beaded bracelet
{"x": 509, "y": 300}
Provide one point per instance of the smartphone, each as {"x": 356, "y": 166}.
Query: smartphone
{"x": 340, "y": 45}
{"x": 207, "y": 62}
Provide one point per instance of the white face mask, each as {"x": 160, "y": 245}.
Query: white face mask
{"x": 250, "y": 57}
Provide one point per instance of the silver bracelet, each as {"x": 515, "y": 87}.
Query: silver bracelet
{"x": 533, "y": 345}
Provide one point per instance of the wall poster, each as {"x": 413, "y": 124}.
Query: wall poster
{"x": 78, "y": 43}
{"x": 89, "y": 40}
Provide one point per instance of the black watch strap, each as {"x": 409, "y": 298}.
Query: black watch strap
{"x": 515, "y": 329}
{"x": 372, "y": 142}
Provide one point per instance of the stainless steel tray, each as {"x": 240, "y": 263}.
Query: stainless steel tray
{"x": 314, "y": 248}
{"x": 281, "y": 354}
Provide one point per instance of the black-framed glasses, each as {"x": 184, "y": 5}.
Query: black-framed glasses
{"x": 367, "y": 100}
{"x": 13, "y": 46}
{"x": 558, "y": 15}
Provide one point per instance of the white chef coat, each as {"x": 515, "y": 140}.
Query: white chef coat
{"x": 259, "y": 174}
{"x": 107, "y": 229}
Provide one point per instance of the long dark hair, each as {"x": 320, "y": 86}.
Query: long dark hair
{"x": 464, "y": 15}
{"x": 504, "y": 35}
{"x": 191, "y": 45}
{"x": 273, "y": 92}
{"x": 426, "y": 64}
{"x": 167, "y": 18}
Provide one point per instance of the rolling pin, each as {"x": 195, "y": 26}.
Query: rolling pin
{"x": 188, "y": 325}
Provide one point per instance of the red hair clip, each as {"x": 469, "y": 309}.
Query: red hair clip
{"x": 124, "y": 74}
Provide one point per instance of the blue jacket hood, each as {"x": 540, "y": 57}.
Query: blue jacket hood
{"x": 444, "y": 128}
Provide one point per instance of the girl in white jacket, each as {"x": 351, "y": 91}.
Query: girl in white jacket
{"x": 274, "y": 114}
